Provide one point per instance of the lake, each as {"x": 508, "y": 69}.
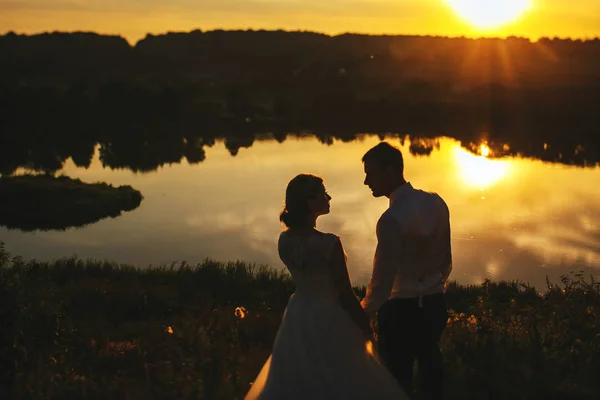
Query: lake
{"x": 512, "y": 217}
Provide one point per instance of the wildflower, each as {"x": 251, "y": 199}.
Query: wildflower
{"x": 472, "y": 323}
{"x": 170, "y": 330}
{"x": 240, "y": 312}
{"x": 590, "y": 310}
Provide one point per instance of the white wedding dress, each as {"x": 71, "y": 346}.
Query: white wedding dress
{"x": 319, "y": 352}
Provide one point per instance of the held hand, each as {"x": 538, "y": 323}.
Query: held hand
{"x": 363, "y": 303}
{"x": 368, "y": 334}
{"x": 370, "y": 347}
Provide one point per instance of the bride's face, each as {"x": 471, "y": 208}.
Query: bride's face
{"x": 319, "y": 205}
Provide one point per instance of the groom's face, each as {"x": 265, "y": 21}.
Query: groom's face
{"x": 377, "y": 178}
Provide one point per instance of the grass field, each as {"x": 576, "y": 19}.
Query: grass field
{"x": 92, "y": 329}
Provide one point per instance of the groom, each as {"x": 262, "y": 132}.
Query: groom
{"x": 412, "y": 262}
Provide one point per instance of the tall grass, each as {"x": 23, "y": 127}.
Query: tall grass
{"x": 77, "y": 328}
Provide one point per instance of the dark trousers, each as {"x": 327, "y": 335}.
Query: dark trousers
{"x": 410, "y": 331}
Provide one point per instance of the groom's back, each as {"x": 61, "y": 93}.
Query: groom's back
{"x": 424, "y": 249}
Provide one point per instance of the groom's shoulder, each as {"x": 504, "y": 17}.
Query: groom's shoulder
{"x": 423, "y": 192}
{"x": 438, "y": 202}
{"x": 430, "y": 194}
{"x": 437, "y": 197}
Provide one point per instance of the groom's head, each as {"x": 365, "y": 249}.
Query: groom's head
{"x": 384, "y": 169}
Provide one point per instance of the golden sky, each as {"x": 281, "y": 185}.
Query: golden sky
{"x": 134, "y": 18}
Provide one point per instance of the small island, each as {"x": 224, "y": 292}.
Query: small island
{"x": 46, "y": 202}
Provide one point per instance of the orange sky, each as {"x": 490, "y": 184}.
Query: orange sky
{"x": 134, "y": 18}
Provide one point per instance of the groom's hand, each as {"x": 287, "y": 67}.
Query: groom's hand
{"x": 374, "y": 329}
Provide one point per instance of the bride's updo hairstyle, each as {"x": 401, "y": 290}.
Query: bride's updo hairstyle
{"x": 299, "y": 191}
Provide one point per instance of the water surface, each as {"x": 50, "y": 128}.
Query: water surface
{"x": 512, "y": 218}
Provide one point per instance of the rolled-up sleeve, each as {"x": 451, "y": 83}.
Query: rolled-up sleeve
{"x": 384, "y": 265}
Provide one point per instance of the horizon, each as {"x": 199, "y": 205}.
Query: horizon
{"x": 249, "y": 30}
{"x": 530, "y": 19}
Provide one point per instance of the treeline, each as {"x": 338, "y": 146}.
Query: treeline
{"x": 539, "y": 98}
{"x": 288, "y": 57}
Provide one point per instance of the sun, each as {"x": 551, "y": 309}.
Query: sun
{"x": 489, "y": 14}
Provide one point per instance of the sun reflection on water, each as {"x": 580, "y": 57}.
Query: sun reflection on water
{"x": 484, "y": 150}
{"x": 479, "y": 170}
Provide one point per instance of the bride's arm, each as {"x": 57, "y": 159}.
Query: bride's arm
{"x": 348, "y": 299}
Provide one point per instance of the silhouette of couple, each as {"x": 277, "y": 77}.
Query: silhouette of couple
{"x": 323, "y": 349}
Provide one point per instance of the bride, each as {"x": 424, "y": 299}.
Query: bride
{"x": 323, "y": 347}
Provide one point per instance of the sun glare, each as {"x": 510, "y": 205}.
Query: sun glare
{"x": 489, "y": 14}
{"x": 478, "y": 170}
{"x": 484, "y": 150}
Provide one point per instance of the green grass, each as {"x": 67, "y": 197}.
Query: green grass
{"x": 77, "y": 328}
{"x": 45, "y": 202}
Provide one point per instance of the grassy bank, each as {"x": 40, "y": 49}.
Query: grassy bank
{"x": 74, "y": 328}
{"x": 45, "y": 202}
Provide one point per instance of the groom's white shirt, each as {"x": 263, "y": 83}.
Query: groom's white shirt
{"x": 413, "y": 256}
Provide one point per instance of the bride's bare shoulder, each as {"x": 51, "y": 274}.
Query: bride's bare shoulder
{"x": 315, "y": 236}
{"x": 303, "y": 233}
{"x": 330, "y": 235}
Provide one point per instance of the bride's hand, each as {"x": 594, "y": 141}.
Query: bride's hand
{"x": 370, "y": 344}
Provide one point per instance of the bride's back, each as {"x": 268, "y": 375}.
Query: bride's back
{"x": 307, "y": 258}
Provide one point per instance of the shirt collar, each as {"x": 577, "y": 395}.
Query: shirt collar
{"x": 400, "y": 192}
